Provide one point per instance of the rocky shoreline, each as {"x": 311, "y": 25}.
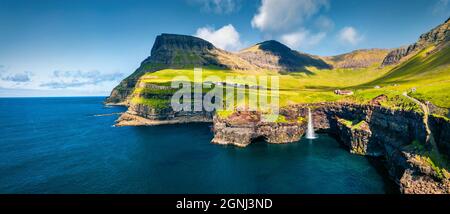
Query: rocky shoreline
{"x": 241, "y": 128}
{"x": 129, "y": 119}
{"x": 142, "y": 115}
{"x": 368, "y": 130}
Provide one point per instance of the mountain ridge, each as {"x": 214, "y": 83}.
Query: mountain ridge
{"x": 439, "y": 36}
{"x": 273, "y": 55}
{"x": 360, "y": 58}
{"x": 182, "y": 51}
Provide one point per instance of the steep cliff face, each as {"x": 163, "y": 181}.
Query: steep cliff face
{"x": 144, "y": 115}
{"x": 241, "y": 128}
{"x": 441, "y": 130}
{"x": 366, "y": 130}
{"x": 381, "y": 125}
{"x": 152, "y": 106}
{"x": 273, "y": 55}
{"x": 357, "y": 137}
{"x": 178, "y": 51}
{"x": 439, "y": 36}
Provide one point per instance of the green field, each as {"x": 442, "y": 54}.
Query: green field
{"x": 427, "y": 72}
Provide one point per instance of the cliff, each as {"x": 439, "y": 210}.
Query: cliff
{"x": 397, "y": 136}
{"x": 178, "y": 51}
{"x": 389, "y": 126}
{"x": 241, "y": 128}
{"x": 438, "y": 36}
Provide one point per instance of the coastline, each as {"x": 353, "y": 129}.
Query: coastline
{"x": 385, "y": 134}
{"x": 130, "y": 119}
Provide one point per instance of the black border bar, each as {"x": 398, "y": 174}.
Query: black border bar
{"x": 279, "y": 202}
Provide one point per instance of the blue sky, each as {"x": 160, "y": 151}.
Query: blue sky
{"x": 68, "y": 48}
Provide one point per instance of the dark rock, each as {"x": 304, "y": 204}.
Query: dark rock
{"x": 440, "y": 127}
{"x": 380, "y": 132}
{"x": 241, "y": 128}
{"x": 438, "y": 36}
{"x": 170, "y": 51}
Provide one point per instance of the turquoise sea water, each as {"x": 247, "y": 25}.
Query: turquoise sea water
{"x": 59, "y": 145}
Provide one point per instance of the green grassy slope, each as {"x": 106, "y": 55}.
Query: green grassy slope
{"x": 428, "y": 72}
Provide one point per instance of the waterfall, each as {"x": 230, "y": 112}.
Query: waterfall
{"x": 310, "y": 131}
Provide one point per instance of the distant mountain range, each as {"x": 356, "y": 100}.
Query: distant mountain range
{"x": 181, "y": 51}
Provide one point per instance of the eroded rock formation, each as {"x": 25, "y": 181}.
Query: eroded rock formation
{"x": 142, "y": 115}
{"x": 366, "y": 130}
{"x": 241, "y": 128}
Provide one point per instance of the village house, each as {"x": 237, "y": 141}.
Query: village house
{"x": 343, "y": 92}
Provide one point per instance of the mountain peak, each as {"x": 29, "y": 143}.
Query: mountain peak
{"x": 272, "y": 43}
{"x": 274, "y": 46}
{"x": 274, "y": 55}
{"x": 167, "y": 41}
{"x": 269, "y": 45}
{"x": 358, "y": 58}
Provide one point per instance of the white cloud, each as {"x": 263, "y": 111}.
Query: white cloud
{"x": 225, "y": 38}
{"x": 20, "y": 77}
{"x": 302, "y": 39}
{"x": 274, "y": 15}
{"x": 219, "y": 6}
{"x": 75, "y": 79}
{"x": 349, "y": 35}
{"x": 14, "y": 77}
{"x": 56, "y": 83}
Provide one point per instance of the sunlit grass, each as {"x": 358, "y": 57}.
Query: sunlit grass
{"x": 428, "y": 74}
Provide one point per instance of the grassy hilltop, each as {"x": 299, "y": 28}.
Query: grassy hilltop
{"x": 422, "y": 71}
{"x": 427, "y": 72}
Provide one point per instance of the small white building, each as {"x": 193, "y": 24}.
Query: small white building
{"x": 343, "y": 92}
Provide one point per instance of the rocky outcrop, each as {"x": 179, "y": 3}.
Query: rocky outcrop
{"x": 404, "y": 127}
{"x": 365, "y": 129}
{"x": 438, "y": 36}
{"x": 414, "y": 183}
{"x": 141, "y": 114}
{"x": 440, "y": 127}
{"x": 396, "y": 55}
{"x": 357, "y": 138}
{"x": 241, "y": 128}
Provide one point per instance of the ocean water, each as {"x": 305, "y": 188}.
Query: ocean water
{"x": 63, "y": 145}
